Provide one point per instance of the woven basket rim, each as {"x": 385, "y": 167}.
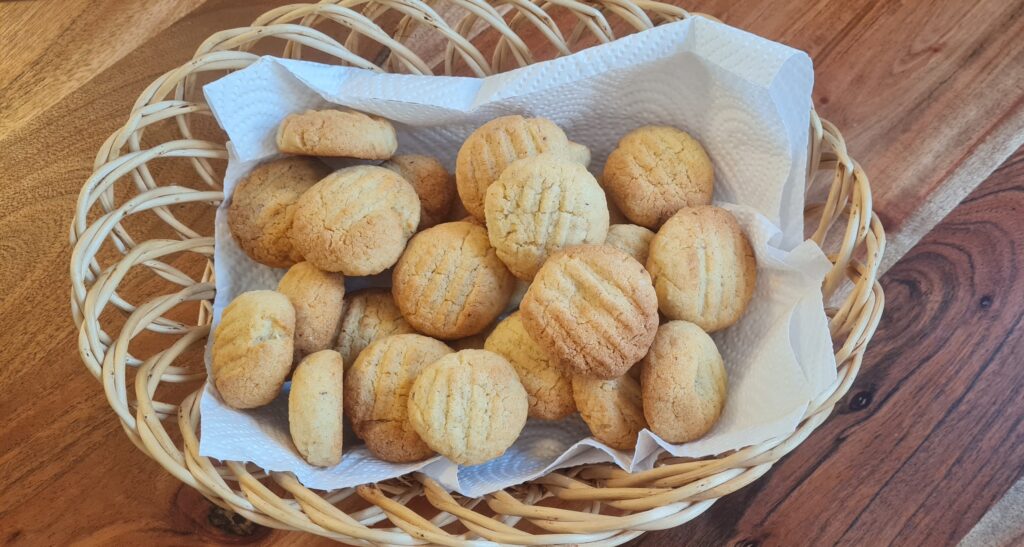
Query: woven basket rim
{"x": 674, "y": 492}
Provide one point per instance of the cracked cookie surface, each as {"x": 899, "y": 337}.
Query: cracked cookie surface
{"x": 337, "y": 133}
{"x": 683, "y": 381}
{"x": 315, "y": 418}
{"x": 356, "y": 220}
{"x": 434, "y": 186}
{"x": 377, "y": 390}
{"x": 592, "y": 307}
{"x": 703, "y": 268}
{"x": 368, "y": 314}
{"x": 317, "y": 297}
{"x": 540, "y": 205}
{"x": 450, "y": 283}
{"x": 612, "y": 409}
{"x": 263, "y": 206}
{"x": 655, "y": 171}
{"x": 468, "y": 406}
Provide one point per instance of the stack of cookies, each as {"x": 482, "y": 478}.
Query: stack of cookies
{"x": 512, "y": 296}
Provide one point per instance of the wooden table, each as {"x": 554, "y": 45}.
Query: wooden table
{"x": 931, "y": 99}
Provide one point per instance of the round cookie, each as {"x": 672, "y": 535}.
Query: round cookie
{"x": 655, "y": 171}
{"x": 377, "y": 390}
{"x": 468, "y": 406}
{"x": 703, "y": 268}
{"x": 252, "y": 348}
{"x": 315, "y": 417}
{"x": 317, "y": 297}
{"x": 548, "y": 384}
{"x": 497, "y": 143}
{"x": 337, "y": 133}
{"x": 356, "y": 220}
{"x": 368, "y": 314}
{"x": 593, "y": 308}
{"x": 683, "y": 382}
{"x": 432, "y": 183}
{"x": 631, "y": 239}
{"x": 540, "y": 205}
{"x": 449, "y": 283}
{"x": 263, "y": 205}
{"x": 612, "y": 409}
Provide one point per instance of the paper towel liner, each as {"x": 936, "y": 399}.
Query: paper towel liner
{"x": 745, "y": 98}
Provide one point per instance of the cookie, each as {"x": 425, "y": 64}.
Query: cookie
{"x": 368, "y": 314}
{"x": 317, "y": 297}
{"x": 252, "y": 348}
{"x": 540, "y": 205}
{"x": 548, "y": 384}
{"x": 432, "y": 183}
{"x": 468, "y": 406}
{"x": 356, "y": 220}
{"x": 631, "y": 239}
{"x": 315, "y": 417}
{"x": 593, "y": 308}
{"x": 450, "y": 283}
{"x": 578, "y": 153}
{"x": 683, "y": 382}
{"x": 377, "y": 392}
{"x": 655, "y": 171}
{"x": 703, "y": 268}
{"x": 263, "y": 205}
{"x": 612, "y": 409}
{"x": 337, "y": 133}
{"x": 497, "y": 143}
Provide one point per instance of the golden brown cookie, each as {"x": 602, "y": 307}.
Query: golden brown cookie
{"x": 252, "y": 348}
{"x": 548, "y": 384}
{"x": 497, "y": 143}
{"x": 449, "y": 283}
{"x": 612, "y": 409}
{"x": 317, "y": 297}
{"x": 356, "y": 221}
{"x": 432, "y": 183}
{"x": 703, "y": 268}
{"x": 377, "y": 390}
{"x": 368, "y": 314}
{"x": 655, "y": 171}
{"x": 592, "y": 307}
{"x": 631, "y": 239}
{"x": 468, "y": 406}
{"x": 337, "y": 133}
{"x": 683, "y": 382}
{"x": 540, "y": 205}
{"x": 263, "y": 206}
{"x": 315, "y": 417}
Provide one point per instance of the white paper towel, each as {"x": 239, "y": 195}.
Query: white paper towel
{"x": 745, "y": 98}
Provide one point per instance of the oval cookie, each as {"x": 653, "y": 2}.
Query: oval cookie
{"x": 612, "y": 409}
{"x": 368, "y": 314}
{"x": 337, "y": 133}
{"x": 315, "y": 417}
{"x": 317, "y": 297}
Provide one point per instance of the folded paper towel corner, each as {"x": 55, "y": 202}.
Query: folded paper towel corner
{"x": 745, "y": 98}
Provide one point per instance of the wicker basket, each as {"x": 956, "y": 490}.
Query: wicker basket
{"x": 594, "y": 504}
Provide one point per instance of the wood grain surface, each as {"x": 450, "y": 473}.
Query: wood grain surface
{"x": 929, "y": 97}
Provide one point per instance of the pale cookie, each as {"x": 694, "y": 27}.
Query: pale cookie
{"x": 578, "y": 153}
{"x": 449, "y": 283}
{"x": 315, "y": 417}
{"x": 356, "y": 221}
{"x": 369, "y": 314}
{"x": 432, "y": 183}
{"x": 317, "y": 297}
{"x": 655, "y": 171}
{"x": 540, "y": 205}
{"x": 337, "y": 133}
{"x": 612, "y": 409}
{"x": 252, "y": 348}
{"x": 548, "y": 384}
{"x": 592, "y": 307}
{"x": 499, "y": 142}
{"x": 631, "y": 239}
{"x": 263, "y": 206}
{"x": 377, "y": 391}
{"x": 468, "y": 406}
{"x": 703, "y": 268}
{"x": 683, "y": 381}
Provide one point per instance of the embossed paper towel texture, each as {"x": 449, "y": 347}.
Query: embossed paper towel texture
{"x": 747, "y": 99}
